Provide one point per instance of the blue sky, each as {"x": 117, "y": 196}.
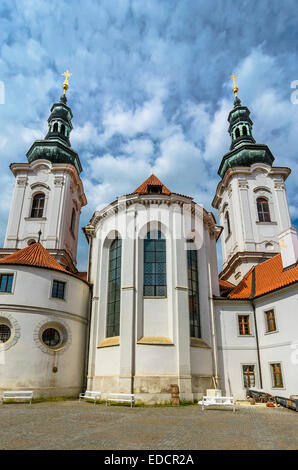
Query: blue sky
{"x": 150, "y": 89}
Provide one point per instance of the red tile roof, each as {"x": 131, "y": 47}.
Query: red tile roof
{"x": 226, "y": 284}
{"x": 33, "y": 255}
{"x": 152, "y": 181}
{"x": 269, "y": 276}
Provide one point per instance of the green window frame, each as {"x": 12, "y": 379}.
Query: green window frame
{"x": 114, "y": 289}
{"x": 155, "y": 270}
{"x": 193, "y": 293}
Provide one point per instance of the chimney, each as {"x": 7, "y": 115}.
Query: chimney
{"x": 288, "y": 243}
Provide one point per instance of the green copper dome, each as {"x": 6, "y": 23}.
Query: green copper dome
{"x": 56, "y": 145}
{"x": 243, "y": 150}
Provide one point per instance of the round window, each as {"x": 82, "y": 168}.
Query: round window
{"x": 51, "y": 337}
{"x": 5, "y": 333}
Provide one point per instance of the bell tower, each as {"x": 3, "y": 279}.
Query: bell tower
{"x": 48, "y": 193}
{"x": 250, "y": 198}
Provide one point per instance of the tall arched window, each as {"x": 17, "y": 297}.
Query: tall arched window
{"x": 55, "y": 128}
{"x": 73, "y": 221}
{"x": 237, "y": 133}
{"x": 228, "y": 224}
{"x": 62, "y": 130}
{"x": 193, "y": 293}
{"x": 244, "y": 130}
{"x": 263, "y": 209}
{"x": 155, "y": 277}
{"x": 38, "y": 205}
{"x": 114, "y": 289}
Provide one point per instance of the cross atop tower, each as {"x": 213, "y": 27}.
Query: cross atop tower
{"x": 65, "y": 83}
{"x": 235, "y": 88}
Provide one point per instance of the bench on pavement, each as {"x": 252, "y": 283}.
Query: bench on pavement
{"x": 90, "y": 395}
{"x": 17, "y": 395}
{"x": 218, "y": 401}
{"x": 120, "y": 397}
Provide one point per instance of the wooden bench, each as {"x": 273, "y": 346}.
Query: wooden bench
{"x": 17, "y": 395}
{"x": 218, "y": 401}
{"x": 90, "y": 395}
{"x": 121, "y": 397}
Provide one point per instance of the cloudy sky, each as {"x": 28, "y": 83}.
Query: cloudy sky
{"x": 150, "y": 89}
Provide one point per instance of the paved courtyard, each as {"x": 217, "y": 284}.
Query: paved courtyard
{"x": 74, "y": 425}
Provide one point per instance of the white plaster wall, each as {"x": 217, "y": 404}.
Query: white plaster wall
{"x": 63, "y": 191}
{"x": 278, "y": 347}
{"x": 25, "y": 361}
{"x": 142, "y": 317}
{"x": 239, "y": 198}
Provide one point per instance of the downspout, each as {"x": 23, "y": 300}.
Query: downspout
{"x": 89, "y": 235}
{"x": 253, "y": 291}
{"x": 213, "y": 331}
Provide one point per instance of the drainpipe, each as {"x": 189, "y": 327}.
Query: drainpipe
{"x": 213, "y": 330}
{"x": 253, "y": 291}
{"x": 89, "y": 232}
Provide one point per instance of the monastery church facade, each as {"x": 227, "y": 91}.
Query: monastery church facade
{"x": 152, "y": 309}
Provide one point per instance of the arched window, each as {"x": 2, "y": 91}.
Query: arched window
{"x": 237, "y": 133}
{"x": 37, "y": 205}
{"x": 228, "y": 224}
{"x": 244, "y": 130}
{"x": 155, "y": 278}
{"x": 55, "y": 128}
{"x": 62, "y": 130}
{"x": 263, "y": 209}
{"x": 73, "y": 221}
{"x": 193, "y": 293}
{"x": 114, "y": 289}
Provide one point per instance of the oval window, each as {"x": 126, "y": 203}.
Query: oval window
{"x": 5, "y": 333}
{"x": 51, "y": 337}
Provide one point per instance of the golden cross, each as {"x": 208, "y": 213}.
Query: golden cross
{"x": 235, "y": 88}
{"x": 65, "y": 83}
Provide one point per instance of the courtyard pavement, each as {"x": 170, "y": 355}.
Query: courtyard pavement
{"x": 73, "y": 425}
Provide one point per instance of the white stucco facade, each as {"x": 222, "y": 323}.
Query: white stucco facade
{"x": 154, "y": 348}
{"x": 276, "y": 347}
{"x": 64, "y": 195}
{"x": 250, "y": 241}
{"x": 26, "y": 362}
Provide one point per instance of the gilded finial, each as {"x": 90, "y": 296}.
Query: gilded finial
{"x": 235, "y": 88}
{"x": 65, "y": 83}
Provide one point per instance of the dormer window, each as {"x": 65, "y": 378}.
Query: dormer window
{"x": 154, "y": 189}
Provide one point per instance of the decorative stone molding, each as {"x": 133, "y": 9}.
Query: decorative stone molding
{"x": 10, "y": 321}
{"x": 61, "y": 326}
{"x": 279, "y": 185}
{"x": 161, "y": 340}
{"x": 242, "y": 184}
{"x": 59, "y": 181}
{"x": 108, "y": 342}
{"x": 22, "y": 181}
{"x": 199, "y": 343}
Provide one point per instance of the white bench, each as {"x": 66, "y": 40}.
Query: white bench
{"x": 90, "y": 395}
{"x": 218, "y": 401}
{"x": 17, "y": 395}
{"x": 129, "y": 397}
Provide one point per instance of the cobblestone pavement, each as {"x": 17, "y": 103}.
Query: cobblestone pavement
{"x": 74, "y": 425}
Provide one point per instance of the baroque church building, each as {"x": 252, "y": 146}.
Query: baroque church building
{"x": 152, "y": 309}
